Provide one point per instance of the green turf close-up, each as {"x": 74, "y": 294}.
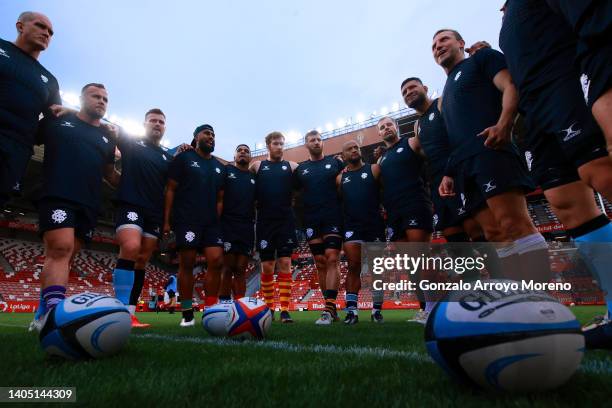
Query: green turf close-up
{"x": 299, "y": 364}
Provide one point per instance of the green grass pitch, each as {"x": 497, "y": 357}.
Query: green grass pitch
{"x": 298, "y": 365}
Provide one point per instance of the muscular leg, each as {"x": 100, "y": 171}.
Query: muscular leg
{"x": 602, "y": 111}
{"x": 214, "y": 262}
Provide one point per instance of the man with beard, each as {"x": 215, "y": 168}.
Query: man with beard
{"x": 479, "y": 106}
{"x": 322, "y": 218}
{"x": 359, "y": 186}
{"x": 275, "y": 228}
{"x": 238, "y": 222}
{"x": 140, "y": 202}
{"x": 194, "y": 199}
{"x": 27, "y": 91}
{"x": 79, "y": 153}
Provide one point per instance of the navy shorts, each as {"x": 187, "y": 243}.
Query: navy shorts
{"x": 14, "y": 158}
{"x": 54, "y": 213}
{"x": 360, "y": 233}
{"x": 596, "y": 71}
{"x": 322, "y": 223}
{"x": 562, "y": 134}
{"x": 146, "y": 221}
{"x": 488, "y": 174}
{"x": 448, "y": 212}
{"x": 238, "y": 236}
{"x": 198, "y": 236}
{"x": 398, "y": 221}
{"x": 276, "y": 234}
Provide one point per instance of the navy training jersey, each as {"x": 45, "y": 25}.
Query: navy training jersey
{"x": 274, "y": 185}
{"x": 144, "y": 172}
{"x": 239, "y": 194}
{"x": 538, "y": 44}
{"x": 360, "y": 198}
{"x": 199, "y": 180}
{"x": 471, "y": 102}
{"x": 434, "y": 140}
{"x": 402, "y": 178}
{"x": 27, "y": 89}
{"x": 318, "y": 181}
{"x": 76, "y": 154}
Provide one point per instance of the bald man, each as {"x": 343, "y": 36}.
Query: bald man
{"x": 27, "y": 90}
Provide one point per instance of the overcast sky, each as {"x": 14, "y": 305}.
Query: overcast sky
{"x": 250, "y": 67}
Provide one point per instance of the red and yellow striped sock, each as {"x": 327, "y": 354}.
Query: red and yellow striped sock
{"x": 267, "y": 287}
{"x": 284, "y": 288}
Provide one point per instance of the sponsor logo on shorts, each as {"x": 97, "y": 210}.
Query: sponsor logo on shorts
{"x": 67, "y": 124}
{"x": 389, "y": 232}
{"x": 58, "y": 216}
{"x": 132, "y": 216}
{"x": 195, "y": 164}
{"x": 290, "y": 241}
{"x": 364, "y": 175}
{"x": 17, "y": 187}
{"x": 189, "y": 236}
{"x": 44, "y": 78}
{"x": 220, "y": 241}
{"x": 4, "y": 54}
{"x": 105, "y": 139}
{"x": 435, "y": 219}
{"x": 156, "y": 230}
{"x": 252, "y": 181}
{"x": 458, "y": 75}
{"x": 571, "y": 133}
{"x": 227, "y": 246}
{"x": 432, "y": 115}
{"x": 461, "y": 211}
{"x": 585, "y": 82}
{"x": 263, "y": 244}
{"x": 309, "y": 232}
{"x": 489, "y": 186}
{"x": 413, "y": 223}
{"x": 348, "y": 234}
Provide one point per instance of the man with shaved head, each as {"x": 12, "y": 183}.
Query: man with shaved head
{"x": 27, "y": 90}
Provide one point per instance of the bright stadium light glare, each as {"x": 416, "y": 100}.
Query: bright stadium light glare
{"x": 71, "y": 99}
{"x": 293, "y": 136}
{"x": 374, "y": 113}
{"x": 319, "y": 129}
{"x": 165, "y": 143}
{"x": 259, "y": 146}
{"x": 360, "y": 117}
{"x": 329, "y": 127}
{"x": 341, "y": 122}
{"x": 395, "y": 107}
{"x": 132, "y": 127}
{"x": 384, "y": 110}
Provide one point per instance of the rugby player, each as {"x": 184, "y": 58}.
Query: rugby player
{"x": 194, "y": 200}
{"x": 275, "y": 228}
{"x": 359, "y": 186}
{"x": 28, "y": 90}
{"x": 479, "y": 106}
{"x": 79, "y": 153}
{"x": 238, "y": 223}
{"x": 566, "y": 144}
{"x": 140, "y": 203}
{"x": 322, "y": 218}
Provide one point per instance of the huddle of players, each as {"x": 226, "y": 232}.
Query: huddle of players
{"x": 478, "y": 170}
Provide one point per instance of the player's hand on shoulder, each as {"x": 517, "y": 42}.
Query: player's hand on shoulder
{"x": 447, "y": 187}
{"x": 183, "y": 147}
{"x": 479, "y": 45}
{"x": 58, "y": 110}
{"x": 254, "y": 166}
{"x": 110, "y": 129}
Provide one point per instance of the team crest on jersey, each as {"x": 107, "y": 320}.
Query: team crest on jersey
{"x": 304, "y": 172}
{"x": 4, "y": 54}
{"x": 328, "y": 166}
{"x": 58, "y": 216}
{"x": 218, "y": 170}
{"x": 252, "y": 181}
{"x": 132, "y": 216}
{"x": 67, "y": 124}
{"x": 17, "y": 186}
{"x": 227, "y": 246}
{"x": 364, "y": 175}
{"x": 44, "y": 78}
{"x": 309, "y": 232}
{"x": 348, "y": 234}
{"x": 435, "y": 219}
{"x": 585, "y": 82}
{"x": 231, "y": 175}
{"x": 105, "y": 139}
{"x": 347, "y": 179}
{"x": 263, "y": 244}
{"x": 458, "y": 75}
{"x": 401, "y": 149}
{"x": 431, "y": 116}
{"x": 195, "y": 164}
{"x": 284, "y": 167}
{"x": 189, "y": 236}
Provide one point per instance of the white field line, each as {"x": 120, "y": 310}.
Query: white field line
{"x": 600, "y": 367}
